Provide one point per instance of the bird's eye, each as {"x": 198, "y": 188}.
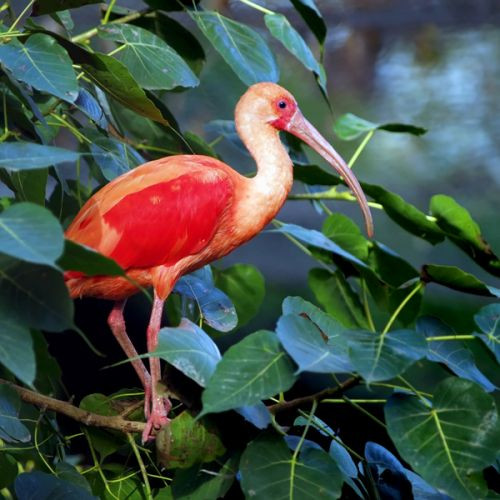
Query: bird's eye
{"x": 282, "y": 104}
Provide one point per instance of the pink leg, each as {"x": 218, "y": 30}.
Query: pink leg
{"x": 116, "y": 322}
{"x": 160, "y": 405}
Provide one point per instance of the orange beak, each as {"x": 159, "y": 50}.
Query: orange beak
{"x": 301, "y": 128}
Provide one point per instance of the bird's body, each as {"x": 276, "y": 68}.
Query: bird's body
{"x": 173, "y": 215}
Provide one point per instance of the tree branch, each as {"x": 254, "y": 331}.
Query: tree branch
{"x": 318, "y": 396}
{"x": 85, "y": 417}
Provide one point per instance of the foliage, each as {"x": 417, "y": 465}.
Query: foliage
{"x": 73, "y": 118}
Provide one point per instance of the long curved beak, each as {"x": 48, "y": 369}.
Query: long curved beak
{"x": 301, "y": 128}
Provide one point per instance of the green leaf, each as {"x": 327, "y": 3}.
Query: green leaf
{"x": 113, "y": 157}
{"x": 244, "y": 284}
{"x": 446, "y": 441}
{"x": 8, "y": 466}
{"x": 459, "y": 226}
{"x": 197, "y": 483}
{"x": 190, "y": 350}
{"x": 187, "y": 441}
{"x": 240, "y": 46}
{"x": 152, "y": 63}
{"x": 330, "y": 329}
{"x": 455, "y": 278}
{"x": 343, "y": 231}
{"x": 11, "y": 428}
{"x": 28, "y": 155}
{"x": 312, "y": 17}
{"x": 41, "y": 7}
{"x": 452, "y": 353}
{"x": 488, "y": 320}
{"x": 337, "y": 297}
{"x": 23, "y": 287}
{"x": 349, "y": 127}
{"x": 215, "y": 307}
{"x": 43, "y": 64}
{"x": 77, "y": 257}
{"x": 16, "y": 351}
{"x": 405, "y": 214}
{"x": 268, "y": 470}
{"x": 30, "y": 185}
{"x": 44, "y": 486}
{"x": 319, "y": 240}
{"x": 379, "y": 356}
{"x": 309, "y": 346}
{"x": 30, "y": 233}
{"x": 254, "y": 369}
{"x": 48, "y": 376}
{"x": 279, "y": 26}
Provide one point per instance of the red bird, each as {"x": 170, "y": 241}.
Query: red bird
{"x": 171, "y": 216}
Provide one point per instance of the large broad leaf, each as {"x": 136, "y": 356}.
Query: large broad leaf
{"x": 280, "y": 28}
{"x": 337, "y": 297}
{"x": 447, "y": 441}
{"x": 114, "y": 78}
{"x": 43, "y": 64}
{"x": 187, "y": 441}
{"x": 30, "y": 232}
{"x": 331, "y": 332}
{"x": 198, "y": 483}
{"x": 312, "y": 17}
{"x": 11, "y": 428}
{"x": 345, "y": 233}
{"x": 77, "y": 257}
{"x": 215, "y": 306}
{"x": 319, "y": 240}
{"x": 251, "y": 370}
{"x": 44, "y": 486}
{"x": 240, "y": 46}
{"x": 152, "y": 63}
{"x": 16, "y": 351}
{"x": 349, "y": 127}
{"x": 244, "y": 284}
{"x": 405, "y": 214}
{"x": 455, "y": 278}
{"x": 392, "y": 478}
{"x": 459, "y": 226}
{"x": 190, "y": 350}
{"x": 41, "y": 7}
{"x": 309, "y": 346}
{"x": 269, "y": 470}
{"x": 28, "y": 155}
{"x": 488, "y": 320}
{"x": 379, "y": 356}
{"x": 452, "y": 353}
{"x": 23, "y": 288}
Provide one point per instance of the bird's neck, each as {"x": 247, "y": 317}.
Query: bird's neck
{"x": 265, "y": 193}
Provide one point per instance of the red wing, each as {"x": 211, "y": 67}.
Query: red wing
{"x": 161, "y": 223}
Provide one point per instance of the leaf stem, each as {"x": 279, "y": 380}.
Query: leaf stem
{"x": 19, "y": 17}
{"x": 257, "y": 7}
{"x": 86, "y": 35}
{"x": 450, "y": 337}
{"x": 366, "y": 306}
{"x": 105, "y": 19}
{"x": 365, "y": 412}
{"x": 142, "y": 467}
{"x": 357, "y": 401}
{"x": 405, "y": 301}
{"x": 332, "y": 194}
{"x": 360, "y": 148}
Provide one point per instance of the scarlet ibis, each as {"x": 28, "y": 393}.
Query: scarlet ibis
{"x": 173, "y": 215}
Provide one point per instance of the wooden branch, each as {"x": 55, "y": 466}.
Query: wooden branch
{"x": 85, "y": 417}
{"x": 318, "y": 396}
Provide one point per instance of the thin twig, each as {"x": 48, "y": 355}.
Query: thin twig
{"x": 318, "y": 396}
{"x": 85, "y": 417}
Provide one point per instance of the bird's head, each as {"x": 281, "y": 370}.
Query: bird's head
{"x": 274, "y": 105}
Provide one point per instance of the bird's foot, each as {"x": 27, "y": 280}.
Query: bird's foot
{"x": 158, "y": 417}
